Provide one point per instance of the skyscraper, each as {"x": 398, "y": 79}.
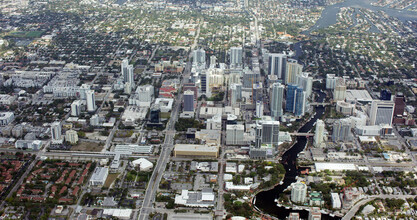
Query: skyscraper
{"x": 385, "y": 95}
{"x": 300, "y": 102}
{"x": 381, "y": 112}
{"x": 290, "y": 99}
{"x": 259, "y": 111}
{"x": 235, "y": 134}
{"x": 267, "y": 132}
{"x": 199, "y": 58}
{"x": 257, "y": 93}
{"x": 189, "y": 101}
{"x": 249, "y": 78}
{"x": 341, "y": 130}
{"x": 331, "y": 81}
{"x": 319, "y": 133}
{"x": 236, "y": 54}
{"x": 71, "y": 136}
{"x": 154, "y": 114}
{"x": 277, "y": 65}
{"x": 339, "y": 92}
{"x": 277, "y": 96}
{"x": 56, "y": 130}
{"x": 306, "y": 82}
{"x": 91, "y": 101}
{"x": 293, "y": 70}
{"x": 235, "y": 94}
{"x": 76, "y": 108}
{"x": 128, "y": 72}
{"x": 399, "y": 104}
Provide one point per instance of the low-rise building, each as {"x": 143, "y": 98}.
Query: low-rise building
{"x": 6, "y": 118}
{"x": 196, "y": 150}
{"x": 203, "y": 199}
{"x": 99, "y": 176}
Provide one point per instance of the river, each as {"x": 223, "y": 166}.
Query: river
{"x": 265, "y": 200}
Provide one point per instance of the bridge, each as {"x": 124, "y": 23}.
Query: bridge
{"x": 320, "y": 103}
{"x": 302, "y": 134}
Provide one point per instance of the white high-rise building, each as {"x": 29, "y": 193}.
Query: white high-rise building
{"x": 259, "y": 112}
{"x": 331, "y": 81}
{"x": 339, "y": 92}
{"x": 95, "y": 120}
{"x": 341, "y": 130}
{"x": 236, "y": 54}
{"x": 128, "y": 88}
{"x": 71, "y": 136}
{"x": 277, "y": 97}
{"x": 91, "y": 101}
{"x": 128, "y": 72}
{"x": 189, "y": 101}
{"x": 143, "y": 96}
{"x": 319, "y": 134}
{"x": 293, "y": 71}
{"x": 305, "y": 81}
{"x": 381, "y": 112}
{"x": 199, "y": 59}
{"x": 56, "y": 131}
{"x": 213, "y": 61}
{"x": 76, "y": 108}
{"x": 235, "y": 94}
{"x": 298, "y": 192}
{"x": 277, "y": 65}
{"x": 82, "y": 91}
{"x": 234, "y": 134}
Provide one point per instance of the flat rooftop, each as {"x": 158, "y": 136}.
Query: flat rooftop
{"x": 358, "y": 95}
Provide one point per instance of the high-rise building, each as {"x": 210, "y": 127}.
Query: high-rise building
{"x": 257, "y": 93}
{"x": 249, "y": 78}
{"x": 341, "y": 130}
{"x": 290, "y": 98}
{"x": 277, "y": 97}
{"x": 399, "y": 104}
{"x": 127, "y": 72}
{"x": 277, "y": 65}
{"x": 143, "y": 96}
{"x": 71, "y": 136}
{"x": 385, "y": 95}
{"x": 314, "y": 214}
{"x": 56, "y": 130}
{"x": 95, "y": 120}
{"x": 192, "y": 87}
{"x": 91, "y": 101}
{"x": 205, "y": 84}
{"x": 76, "y": 108}
{"x": 294, "y": 216}
{"x": 154, "y": 114}
{"x": 259, "y": 111}
{"x": 298, "y": 192}
{"x": 199, "y": 58}
{"x": 234, "y": 134}
{"x": 128, "y": 88}
{"x": 213, "y": 61}
{"x": 381, "y": 112}
{"x": 267, "y": 132}
{"x": 236, "y": 54}
{"x": 339, "y": 92}
{"x": 300, "y": 102}
{"x": 293, "y": 70}
{"x": 319, "y": 133}
{"x": 331, "y": 81}
{"x": 235, "y": 94}
{"x": 189, "y": 101}
{"x": 305, "y": 81}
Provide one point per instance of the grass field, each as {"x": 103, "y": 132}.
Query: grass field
{"x": 26, "y": 34}
{"x": 110, "y": 179}
{"x": 87, "y": 146}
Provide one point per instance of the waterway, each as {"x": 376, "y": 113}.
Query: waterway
{"x": 329, "y": 14}
{"x": 265, "y": 200}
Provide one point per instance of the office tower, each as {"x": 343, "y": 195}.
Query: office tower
{"x": 250, "y": 78}
{"x": 290, "y": 99}
{"x": 199, "y": 58}
{"x": 319, "y": 133}
{"x": 213, "y": 61}
{"x": 154, "y": 114}
{"x": 277, "y": 65}
{"x": 267, "y": 132}
{"x": 235, "y": 94}
{"x": 298, "y": 192}
{"x": 257, "y": 93}
{"x": 189, "y": 101}
{"x": 91, "y": 101}
{"x": 236, "y": 54}
{"x": 306, "y": 82}
{"x": 259, "y": 111}
{"x": 381, "y": 112}
{"x": 341, "y": 130}
{"x": 294, "y": 216}
{"x": 76, "y": 108}
{"x": 300, "y": 102}
{"x": 234, "y": 134}
{"x": 314, "y": 214}
{"x": 71, "y": 136}
{"x": 339, "y": 92}
{"x": 293, "y": 70}
{"x": 128, "y": 88}
{"x": 277, "y": 97}
{"x": 399, "y": 104}
{"x": 205, "y": 84}
{"x": 385, "y": 95}
{"x": 331, "y": 81}
{"x": 124, "y": 68}
{"x": 56, "y": 130}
